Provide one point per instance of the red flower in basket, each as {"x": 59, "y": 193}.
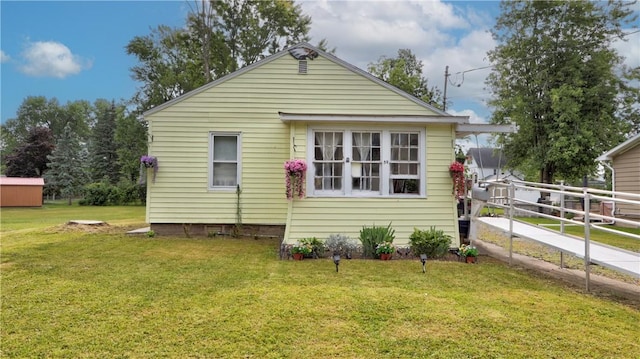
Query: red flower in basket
{"x": 456, "y": 169}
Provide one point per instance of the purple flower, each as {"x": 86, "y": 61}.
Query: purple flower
{"x": 148, "y": 162}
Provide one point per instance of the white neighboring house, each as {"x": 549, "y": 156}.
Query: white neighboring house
{"x": 487, "y": 164}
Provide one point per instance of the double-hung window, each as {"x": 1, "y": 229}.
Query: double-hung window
{"x": 328, "y": 161}
{"x": 224, "y": 160}
{"x": 404, "y": 174}
{"x": 367, "y": 163}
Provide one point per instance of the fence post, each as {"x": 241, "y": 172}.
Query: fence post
{"x": 512, "y": 195}
{"x": 587, "y": 233}
{"x": 562, "y": 220}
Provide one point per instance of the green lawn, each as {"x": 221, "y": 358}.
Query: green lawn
{"x": 76, "y": 293}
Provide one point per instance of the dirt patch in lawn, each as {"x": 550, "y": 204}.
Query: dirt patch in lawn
{"x": 91, "y": 227}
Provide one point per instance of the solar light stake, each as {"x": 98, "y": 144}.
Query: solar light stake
{"x": 423, "y": 259}
{"x": 336, "y": 260}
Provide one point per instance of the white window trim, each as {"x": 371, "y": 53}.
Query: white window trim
{"x": 385, "y": 159}
{"x": 210, "y": 185}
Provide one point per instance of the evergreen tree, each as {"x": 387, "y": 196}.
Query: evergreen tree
{"x": 66, "y": 165}
{"x": 103, "y": 158}
{"x": 557, "y": 76}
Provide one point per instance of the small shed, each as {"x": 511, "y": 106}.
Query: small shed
{"x": 21, "y": 192}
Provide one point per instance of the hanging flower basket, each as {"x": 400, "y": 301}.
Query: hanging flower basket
{"x": 456, "y": 170}
{"x": 295, "y": 171}
{"x": 145, "y": 163}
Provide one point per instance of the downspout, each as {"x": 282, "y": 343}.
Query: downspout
{"x": 613, "y": 186}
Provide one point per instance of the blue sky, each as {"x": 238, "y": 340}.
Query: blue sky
{"x": 37, "y": 36}
{"x": 75, "y": 50}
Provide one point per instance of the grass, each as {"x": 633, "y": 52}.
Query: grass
{"x": 57, "y": 213}
{"x": 68, "y": 292}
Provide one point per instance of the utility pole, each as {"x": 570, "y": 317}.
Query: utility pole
{"x": 444, "y": 97}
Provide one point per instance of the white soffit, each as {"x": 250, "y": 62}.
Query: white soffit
{"x": 467, "y": 129}
{"x": 289, "y": 117}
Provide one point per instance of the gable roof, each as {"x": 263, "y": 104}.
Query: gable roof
{"x": 620, "y": 149}
{"x": 20, "y": 181}
{"x": 296, "y": 50}
{"x": 487, "y": 157}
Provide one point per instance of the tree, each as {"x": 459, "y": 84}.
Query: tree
{"x": 253, "y": 29}
{"x": 219, "y": 38}
{"x": 168, "y": 67}
{"x": 38, "y": 111}
{"x": 29, "y": 159}
{"x": 103, "y": 158}
{"x": 405, "y": 73}
{"x": 131, "y": 140}
{"x": 66, "y": 165}
{"x": 558, "y": 78}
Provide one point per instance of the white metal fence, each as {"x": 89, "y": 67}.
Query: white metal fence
{"x": 493, "y": 193}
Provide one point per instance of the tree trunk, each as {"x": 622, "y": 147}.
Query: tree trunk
{"x": 546, "y": 176}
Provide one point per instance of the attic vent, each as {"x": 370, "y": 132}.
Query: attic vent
{"x": 302, "y": 66}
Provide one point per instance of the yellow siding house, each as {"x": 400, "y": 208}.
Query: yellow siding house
{"x": 375, "y": 155}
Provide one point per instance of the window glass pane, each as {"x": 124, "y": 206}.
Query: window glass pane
{"x": 375, "y": 154}
{"x": 225, "y": 148}
{"x": 375, "y": 139}
{"x": 404, "y": 154}
{"x": 406, "y": 186}
{"x": 395, "y": 154}
{"x": 413, "y": 141}
{"x": 225, "y": 174}
{"x": 413, "y": 154}
{"x": 404, "y": 140}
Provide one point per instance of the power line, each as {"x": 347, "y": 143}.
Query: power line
{"x": 447, "y": 74}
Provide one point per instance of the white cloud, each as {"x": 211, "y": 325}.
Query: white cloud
{"x": 51, "y": 59}
{"x": 473, "y": 116}
{"x": 4, "y": 57}
{"x": 363, "y": 31}
{"x": 630, "y": 48}
{"x": 454, "y": 34}
{"x": 439, "y": 34}
{"x": 468, "y": 67}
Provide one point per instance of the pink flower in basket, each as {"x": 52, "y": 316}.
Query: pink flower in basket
{"x": 295, "y": 176}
